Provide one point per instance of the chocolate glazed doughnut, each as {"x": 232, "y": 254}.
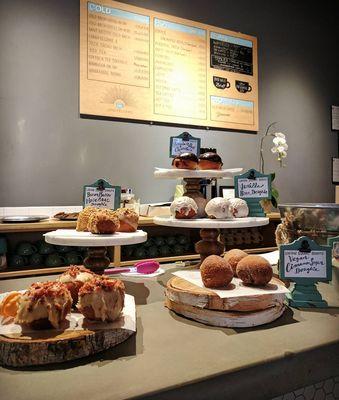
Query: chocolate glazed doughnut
{"x": 185, "y": 161}
{"x": 210, "y": 160}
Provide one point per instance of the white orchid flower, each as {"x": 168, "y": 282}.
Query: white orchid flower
{"x": 279, "y": 135}
{"x": 279, "y": 141}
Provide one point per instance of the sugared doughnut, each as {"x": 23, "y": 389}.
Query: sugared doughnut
{"x": 233, "y": 257}
{"x": 254, "y": 270}
{"x": 215, "y": 272}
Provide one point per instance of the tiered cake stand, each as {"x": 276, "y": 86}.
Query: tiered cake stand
{"x": 209, "y": 228}
{"x": 97, "y": 244}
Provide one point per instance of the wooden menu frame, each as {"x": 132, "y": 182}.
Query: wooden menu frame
{"x": 144, "y": 66}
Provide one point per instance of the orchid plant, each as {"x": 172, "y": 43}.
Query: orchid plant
{"x": 279, "y": 148}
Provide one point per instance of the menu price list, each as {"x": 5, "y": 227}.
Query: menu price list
{"x": 231, "y": 54}
{"x": 179, "y": 70}
{"x": 118, "y": 46}
{"x": 224, "y": 109}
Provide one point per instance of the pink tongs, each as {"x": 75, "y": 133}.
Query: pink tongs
{"x": 141, "y": 267}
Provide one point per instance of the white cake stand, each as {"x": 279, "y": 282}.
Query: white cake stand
{"x": 174, "y": 173}
{"x": 96, "y": 243}
{"x": 210, "y": 230}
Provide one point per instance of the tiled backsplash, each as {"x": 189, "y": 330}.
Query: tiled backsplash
{"x": 50, "y": 211}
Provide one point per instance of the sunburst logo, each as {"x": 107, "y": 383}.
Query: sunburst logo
{"x": 119, "y": 97}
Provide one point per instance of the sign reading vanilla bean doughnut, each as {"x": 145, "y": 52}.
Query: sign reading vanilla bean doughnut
{"x": 253, "y": 186}
{"x": 101, "y": 194}
{"x": 141, "y": 65}
{"x": 305, "y": 263}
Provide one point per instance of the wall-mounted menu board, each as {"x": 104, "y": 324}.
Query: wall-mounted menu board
{"x": 137, "y": 64}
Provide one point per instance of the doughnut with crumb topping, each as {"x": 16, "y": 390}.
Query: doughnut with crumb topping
{"x": 83, "y": 218}
{"x": 44, "y": 304}
{"x": 103, "y": 221}
{"x": 102, "y": 299}
{"x": 74, "y": 277}
{"x": 128, "y": 219}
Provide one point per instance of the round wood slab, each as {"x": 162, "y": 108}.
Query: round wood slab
{"x": 227, "y": 319}
{"x": 180, "y": 291}
{"x": 48, "y": 347}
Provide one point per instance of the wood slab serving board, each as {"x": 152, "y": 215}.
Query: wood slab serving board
{"x": 181, "y": 291}
{"x": 47, "y": 347}
{"x": 227, "y": 319}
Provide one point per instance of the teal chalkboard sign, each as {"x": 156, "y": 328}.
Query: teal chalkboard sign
{"x": 334, "y": 244}
{"x": 184, "y": 143}
{"x": 305, "y": 263}
{"x": 252, "y": 186}
{"x": 102, "y": 194}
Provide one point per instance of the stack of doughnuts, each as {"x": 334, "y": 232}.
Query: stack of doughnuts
{"x": 105, "y": 221}
{"x": 46, "y": 304}
{"x": 206, "y": 161}
{"x": 250, "y": 269}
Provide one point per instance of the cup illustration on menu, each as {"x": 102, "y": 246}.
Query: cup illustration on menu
{"x": 243, "y": 87}
{"x": 221, "y": 83}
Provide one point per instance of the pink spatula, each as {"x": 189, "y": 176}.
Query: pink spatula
{"x": 142, "y": 267}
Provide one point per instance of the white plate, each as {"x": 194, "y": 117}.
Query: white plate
{"x": 71, "y": 237}
{"x": 168, "y": 173}
{"x": 211, "y": 223}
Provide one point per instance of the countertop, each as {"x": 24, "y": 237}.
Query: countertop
{"x": 171, "y": 357}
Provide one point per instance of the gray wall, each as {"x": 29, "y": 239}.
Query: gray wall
{"x": 47, "y": 152}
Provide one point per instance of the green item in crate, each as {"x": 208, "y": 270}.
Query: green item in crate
{"x": 165, "y": 251}
{"x": 139, "y": 253}
{"x": 25, "y": 249}
{"x": 3, "y": 245}
{"x": 149, "y": 243}
{"x": 153, "y": 252}
{"x": 171, "y": 240}
{"x": 36, "y": 259}
{"x": 159, "y": 241}
{"x": 182, "y": 239}
{"x": 178, "y": 249}
{"x": 55, "y": 260}
{"x": 45, "y": 248}
{"x": 73, "y": 258}
{"x": 64, "y": 249}
{"x": 127, "y": 251}
{"x": 17, "y": 261}
{"x": 187, "y": 247}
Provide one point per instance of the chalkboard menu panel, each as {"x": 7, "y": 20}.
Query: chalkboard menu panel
{"x": 141, "y": 65}
{"x": 231, "y": 54}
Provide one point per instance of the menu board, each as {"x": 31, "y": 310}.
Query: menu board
{"x": 137, "y": 64}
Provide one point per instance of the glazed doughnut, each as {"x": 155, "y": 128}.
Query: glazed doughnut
{"x": 218, "y": 208}
{"x": 184, "y": 208}
{"x": 210, "y": 160}
{"x": 185, "y": 161}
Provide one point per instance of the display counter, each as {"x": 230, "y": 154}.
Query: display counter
{"x": 172, "y": 357}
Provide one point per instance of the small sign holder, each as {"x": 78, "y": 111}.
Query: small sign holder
{"x": 252, "y": 186}
{"x": 184, "y": 143}
{"x": 305, "y": 263}
{"x": 102, "y": 194}
{"x": 334, "y": 244}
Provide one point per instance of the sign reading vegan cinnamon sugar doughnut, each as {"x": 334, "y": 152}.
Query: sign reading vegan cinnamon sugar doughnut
{"x": 141, "y": 65}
